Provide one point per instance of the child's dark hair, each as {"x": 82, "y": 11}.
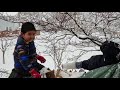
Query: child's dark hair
{"x": 27, "y": 26}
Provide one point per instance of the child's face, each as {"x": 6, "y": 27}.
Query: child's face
{"x": 29, "y": 36}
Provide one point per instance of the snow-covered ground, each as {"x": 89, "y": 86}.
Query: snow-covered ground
{"x": 9, "y": 61}
{"x": 72, "y": 74}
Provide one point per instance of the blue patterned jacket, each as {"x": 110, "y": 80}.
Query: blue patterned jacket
{"x": 24, "y": 55}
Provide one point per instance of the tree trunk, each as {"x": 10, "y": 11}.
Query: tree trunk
{"x": 3, "y": 57}
{"x": 55, "y": 65}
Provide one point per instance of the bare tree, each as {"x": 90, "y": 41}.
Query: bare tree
{"x": 87, "y": 28}
{"x": 59, "y": 47}
{"x": 84, "y": 26}
{"x": 55, "y": 47}
{"x": 85, "y": 23}
{"x": 4, "y": 44}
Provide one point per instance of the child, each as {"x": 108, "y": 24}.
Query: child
{"x": 111, "y": 55}
{"x": 25, "y": 56}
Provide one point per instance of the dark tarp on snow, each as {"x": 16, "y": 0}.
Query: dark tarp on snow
{"x": 109, "y": 71}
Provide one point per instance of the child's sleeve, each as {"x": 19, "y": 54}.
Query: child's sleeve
{"x": 23, "y": 58}
{"x": 93, "y": 62}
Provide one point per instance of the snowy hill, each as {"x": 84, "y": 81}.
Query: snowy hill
{"x": 9, "y": 62}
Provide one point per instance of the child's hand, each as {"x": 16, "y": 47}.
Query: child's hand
{"x": 34, "y": 73}
{"x": 41, "y": 59}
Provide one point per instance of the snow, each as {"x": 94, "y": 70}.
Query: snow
{"x": 9, "y": 61}
{"x": 71, "y": 74}
{"x": 10, "y": 13}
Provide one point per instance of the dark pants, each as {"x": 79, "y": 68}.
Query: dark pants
{"x": 96, "y": 62}
{"x": 18, "y": 73}
{"x": 15, "y": 74}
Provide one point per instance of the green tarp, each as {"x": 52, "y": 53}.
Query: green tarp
{"x": 109, "y": 71}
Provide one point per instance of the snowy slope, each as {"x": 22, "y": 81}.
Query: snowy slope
{"x": 9, "y": 62}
